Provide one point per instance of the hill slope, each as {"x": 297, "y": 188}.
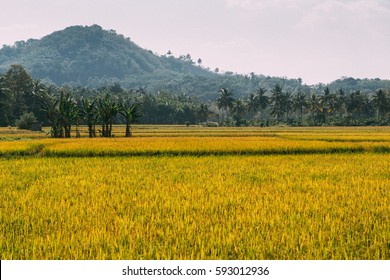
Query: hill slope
{"x": 91, "y": 56}
{"x": 87, "y": 55}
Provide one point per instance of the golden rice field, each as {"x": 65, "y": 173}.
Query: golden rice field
{"x": 197, "y": 193}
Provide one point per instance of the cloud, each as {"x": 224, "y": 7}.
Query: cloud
{"x": 241, "y": 3}
{"x": 352, "y": 23}
{"x": 262, "y": 4}
{"x": 347, "y": 12}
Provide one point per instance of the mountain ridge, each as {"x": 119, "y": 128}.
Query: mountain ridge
{"x": 93, "y": 57}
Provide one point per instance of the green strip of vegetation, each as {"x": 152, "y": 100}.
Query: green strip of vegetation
{"x": 38, "y": 150}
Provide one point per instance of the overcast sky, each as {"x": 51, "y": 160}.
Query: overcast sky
{"x": 318, "y": 41}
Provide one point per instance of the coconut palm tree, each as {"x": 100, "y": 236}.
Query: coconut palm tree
{"x": 262, "y": 100}
{"x": 299, "y": 103}
{"x": 340, "y": 102}
{"x": 381, "y": 103}
{"x": 238, "y": 111}
{"x": 355, "y": 103}
{"x": 203, "y": 112}
{"x": 252, "y": 104}
{"x": 288, "y": 104}
{"x": 367, "y": 106}
{"x": 326, "y": 102}
{"x": 225, "y": 101}
{"x": 313, "y": 105}
{"x": 278, "y": 102}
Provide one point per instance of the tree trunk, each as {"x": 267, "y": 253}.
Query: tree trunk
{"x": 325, "y": 111}
{"x": 312, "y": 118}
{"x": 301, "y": 117}
{"x": 128, "y": 130}
{"x": 107, "y": 132}
{"x": 378, "y": 116}
{"x": 68, "y": 129}
{"x": 90, "y": 130}
{"x": 61, "y": 133}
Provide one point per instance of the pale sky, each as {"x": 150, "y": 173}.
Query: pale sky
{"x": 318, "y": 41}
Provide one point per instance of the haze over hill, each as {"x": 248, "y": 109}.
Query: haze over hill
{"x": 91, "y": 56}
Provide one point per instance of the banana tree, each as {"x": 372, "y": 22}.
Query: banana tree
{"x": 107, "y": 110}
{"x": 131, "y": 113}
{"x": 89, "y": 113}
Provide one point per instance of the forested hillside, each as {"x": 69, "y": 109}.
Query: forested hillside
{"x": 25, "y": 101}
{"x": 90, "y": 56}
{"x": 87, "y": 65}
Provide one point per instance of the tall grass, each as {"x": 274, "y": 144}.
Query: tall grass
{"x": 176, "y": 146}
{"x": 225, "y": 207}
{"x": 276, "y": 193}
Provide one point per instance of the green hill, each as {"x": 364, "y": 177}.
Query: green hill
{"x": 90, "y": 56}
{"x": 93, "y": 57}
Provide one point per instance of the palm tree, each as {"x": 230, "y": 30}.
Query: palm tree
{"x": 107, "y": 111}
{"x": 252, "y": 103}
{"x": 340, "y": 102}
{"x": 89, "y": 113}
{"x": 225, "y": 101}
{"x": 381, "y": 103}
{"x": 278, "y": 101}
{"x": 32, "y": 100}
{"x": 262, "y": 99}
{"x": 299, "y": 103}
{"x": 50, "y": 106}
{"x": 326, "y": 102}
{"x": 238, "y": 111}
{"x": 288, "y": 104}
{"x": 68, "y": 112}
{"x": 367, "y": 106}
{"x": 131, "y": 113}
{"x": 38, "y": 87}
{"x": 203, "y": 112}
{"x": 355, "y": 103}
{"x": 313, "y": 105}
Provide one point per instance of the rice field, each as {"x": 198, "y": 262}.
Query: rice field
{"x": 197, "y": 193}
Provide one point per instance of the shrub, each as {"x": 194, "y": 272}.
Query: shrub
{"x": 26, "y": 120}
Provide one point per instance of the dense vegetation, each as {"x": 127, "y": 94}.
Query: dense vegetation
{"x": 73, "y": 75}
{"x": 25, "y": 101}
{"x": 92, "y": 57}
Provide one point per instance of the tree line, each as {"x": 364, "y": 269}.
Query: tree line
{"x": 276, "y": 106}
{"x": 32, "y": 101}
{"x": 24, "y": 101}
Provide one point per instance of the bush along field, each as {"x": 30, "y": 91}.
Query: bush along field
{"x": 197, "y": 193}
